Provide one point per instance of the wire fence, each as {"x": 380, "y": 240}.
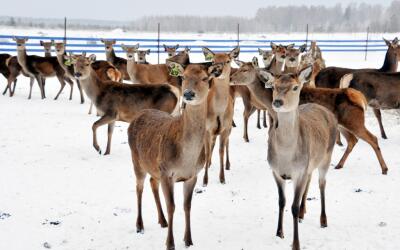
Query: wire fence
{"x": 94, "y": 45}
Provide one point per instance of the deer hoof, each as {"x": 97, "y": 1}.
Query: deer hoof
{"x": 280, "y": 234}
{"x": 339, "y": 166}
{"x": 384, "y": 171}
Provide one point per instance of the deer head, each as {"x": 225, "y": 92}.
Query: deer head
{"x": 130, "y": 51}
{"x": 60, "y": 48}
{"x": 47, "y": 46}
{"x": 81, "y": 65}
{"x": 20, "y": 42}
{"x": 108, "y": 44}
{"x": 171, "y": 50}
{"x": 142, "y": 55}
{"x": 267, "y": 56}
{"x": 280, "y": 51}
{"x": 292, "y": 57}
{"x": 246, "y": 73}
{"x": 286, "y": 88}
{"x": 223, "y": 59}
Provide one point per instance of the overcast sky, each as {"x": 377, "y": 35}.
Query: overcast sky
{"x": 132, "y": 9}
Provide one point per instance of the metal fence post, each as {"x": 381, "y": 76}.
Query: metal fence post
{"x": 306, "y": 35}
{"x": 238, "y": 34}
{"x": 366, "y": 44}
{"x": 158, "y": 44}
{"x": 65, "y": 32}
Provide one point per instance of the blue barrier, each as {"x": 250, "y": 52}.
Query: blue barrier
{"x": 94, "y": 45}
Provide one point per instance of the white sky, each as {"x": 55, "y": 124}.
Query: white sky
{"x": 132, "y": 9}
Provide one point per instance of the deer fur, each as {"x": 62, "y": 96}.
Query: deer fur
{"x": 142, "y": 56}
{"x": 220, "y": 110}
{"x": 171, "y": 50}
{"x": 117, "y": 101}
{"x": 171, "y": 149}
{"x": 313, "y": 57}
{"x": 119, "y": 62}
{"x": 292, "y": 59}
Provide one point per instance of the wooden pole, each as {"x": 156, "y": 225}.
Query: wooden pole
{"x": 366, "y": 44}
{"x": 158, "y": 44}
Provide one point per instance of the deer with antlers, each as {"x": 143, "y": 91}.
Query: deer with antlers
{"x": 116, "y": 101}
{"x": 111, "y": 57}
{"x": 171, "y": 149}
{"x": 220, "y": 110}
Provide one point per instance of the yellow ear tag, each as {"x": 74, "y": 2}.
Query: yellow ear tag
{"x": 174, "y": 71}
{"x": 209, "y": 57}
{"x": 68, "y": 62}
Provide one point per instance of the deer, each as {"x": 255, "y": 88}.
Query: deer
{"x": 330, "y": 77}
{"x": 292, "y": 58}
{"x": 279, "y": 51}
{"x": 381, "y": 90}
{"x": 47, "y": 47}
{"x": 142, "y": 56}
{"x": 11, "y": 69}
{"x": 118, "y": 62}
{"x": 68, "y": 68}
{"x": 348, "y": 105}
{"x": 116, "y": 101}
{"x": 302, "y": 141}
{"x": 147, "y": 73}
{"x": 4, "y": 69}
{"x": 220, "y": 110}
{"x": 171, "y": 149}
{"x": 171, "y": 50}
{"x": 39, "y": 67}
{"x": 312, "y": 57}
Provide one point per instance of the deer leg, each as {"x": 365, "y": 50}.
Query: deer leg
{"x": 299, "y": 187}
{"x": 167, "y": 186}
{"x": 233, "y": 124}
{"x": 15, "y": 85}
{"x": 10, "y": 79}
{"x": 71, "y": 84}
{"x": 303, "y": 209}
{"x": 188, "y": 187}
{"x": 140, "y": 176}
{"x": 107, "y": 118}
{"x": 62, "y": 82}
{"x": 248, "y": 110}
{"x": 90, "y": 108}
{"x": 351, "y": 142}
{"x": 207, "y": 148}
{"x": 338, "y": 140}
{"x": 365, "y": 135}
{"x": 223, "y": 138}
{"x": 30, "y": 87}
{"x": 41, "y": 86}
{"x": 258, "y": 119}
{"x": 322, "y": 184}
{"x": 80, "y": 91}
{"x": 378, "y": 115}
{"x": 265, "y": 119}
{"x": 110, "y": 131}
{"x": 155, "y": 188}
{"x": 282, "y": 202}
{"x": 228, "y": 162}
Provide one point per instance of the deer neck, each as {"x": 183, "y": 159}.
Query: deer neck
{"x": 91, "y": 85}
{"x": 47, "y": 54}
{"x": 277, "y": 67}
{"x": 110, "y": 56}
{"x": 193, "y": 120}
{"x": 22, "y": 59}
{"x": 391, "y": 62}
{"x": 287, "y": 132}
{"x": 131, "y": 68}
{"x": 291, "y": 70}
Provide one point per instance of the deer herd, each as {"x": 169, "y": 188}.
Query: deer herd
{"x": 176, "y": 111}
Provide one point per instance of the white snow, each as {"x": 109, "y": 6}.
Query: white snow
{"x": 49, "y": 172}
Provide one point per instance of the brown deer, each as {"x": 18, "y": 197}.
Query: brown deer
{"x": 12, "y": 70}
{"x": 312, "y": 57}
{"x": 117, "y": 101}
{"x": 330, "y": 77}
{"x": 39, "y": 67}
{"x": 302, "y": 141}
{"x": 279, "y": 51}
{"x": 380, "y": 89}
{"x": 171, "y": 149}
{"x": 292, "y": 59}
{"x": 171, "y": 50}
{"x": 220, "y": 110}
{"x": 68, "y": 68}
{"x": 118, "y": 62}
{"x": 47, "y": 47}
{"x": 142, "y": 56}
{"x": 4, "y": 69}
{"x": 147, "y": 73}
{"x": 348, "y": 105}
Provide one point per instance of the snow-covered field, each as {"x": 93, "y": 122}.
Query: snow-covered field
{"x": 57, "y": 192}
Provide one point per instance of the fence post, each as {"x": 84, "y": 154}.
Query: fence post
{"x": 366, "y": 44}
{"x": 158, "y": 44}
{"x": 306, "y": 35}
{"x": 238, "y": 34}
{"x": 65, "y": 32}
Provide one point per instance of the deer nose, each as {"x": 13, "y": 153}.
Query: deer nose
{"x": 188, "y": 95}
{"x": 283, "y": 56}
{"x": 278, "y": 103}
{"x": 292, "y": 59}
{"x": 78, "y": 74}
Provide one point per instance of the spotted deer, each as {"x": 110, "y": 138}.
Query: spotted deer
{"x": 171, "y": 149}
{"x": 220, "y": 110}
{"x": 39, "y": 67}
{"x": 171, "y": 50}
{"x": 68, "y": 68}
{"x": 116, "y": 101}
{"x": 112, "y": 58}
{"x": 142, "y": 56}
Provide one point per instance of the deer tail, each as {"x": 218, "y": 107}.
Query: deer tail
{"x": 114, "y": 74}
{"x": 345, "y": 80}
{"x": 8, "y": 61}
{"x": 357, "y": 98}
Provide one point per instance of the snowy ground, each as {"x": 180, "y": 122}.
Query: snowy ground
{"x": 56, "y": 191}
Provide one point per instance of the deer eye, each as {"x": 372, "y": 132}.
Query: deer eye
{"x": 295, "y": 88}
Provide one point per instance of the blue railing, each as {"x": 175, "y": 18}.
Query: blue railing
{"x": 94, "y": 45}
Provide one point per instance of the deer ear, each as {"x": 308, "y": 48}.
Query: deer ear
{"x": 290, "y": 46}
{"x": 14, "y": 38}
{"x": 303, "y": 48}
{"x": 165, "y": 47}
{"x": 254, "y": 62}
{"x": 136, "y": 46}
{"x": 267, "y": 78}
{"x": 102, "y": 40}
{"x": 92, "y": 58}
{"x": 84, "y": 53}
{"x": 305, "y": 74}
{"x": 148, "y": 52}
{"x": 187, "y": 49}
{"x": 388, "y": 43}
{"x": 123, "y": 47}
{"x": 176, "y": 46}
{"x": 239, "y": 63}
{"x": 41, "y": 43}
{"x": 175, "y": 69}
{"x": 273, "y": 46}
{"x": 235, "y": 52}
{"x": 260, "y": 51}
{"x": 114, "y": 41}
{"x": 208, "y": 54}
